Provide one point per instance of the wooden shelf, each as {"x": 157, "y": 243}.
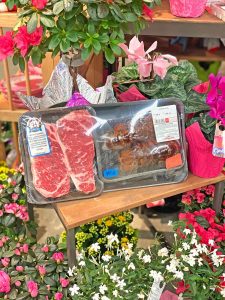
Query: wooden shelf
{"x": 165, "y": 24}
{"x": 7, "y": 115}
{"x": 8, "y": 19}
{"x": 79, "y": 212}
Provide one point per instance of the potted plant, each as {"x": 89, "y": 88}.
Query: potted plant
{"x": 75, "y": 28}
{"x": 187, "y": 8}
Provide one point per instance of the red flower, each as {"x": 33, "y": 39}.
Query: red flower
{"x": 181, "y": 287}
{"x": 39, "y": 4}
{"x": 24, "y": 40}
{"x": 58, "y": 296}
{"x": 64, "y": 282}
{"x": 186, "y": 199}
{"x": 200, "y": 197}
{"x": 58, "y": 257}
{"x": 6, "y": 45}
{"x": 32, "y": 288}
{"x": 45, "y": 249}
{"x": 147, "y": 12}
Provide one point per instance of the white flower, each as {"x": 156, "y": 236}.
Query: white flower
{"x": 80, "y": 256}
{"x": 179, "y": 275}
{"x": 172, "y": 267}
{"x": 95, "y": 247}
{"x": 105, "y": 298}
{"x": 163, "y": 252}
{"x": 204, "y": 287}
{"x": 200, "y": 260}
{"x": 121, "y": 284}
{"x": 146, "y": 258}
{"x": 82, "y": 263}
{"x": 115, "y": 293}
{"x": 111, "y": 239}
{"x": 71, "y": 271}
{"x": 156, "y": 275}
{"x": 96, "y": 297}
{"x": 194, "y": 252}
{"x": 103, "y": 288}
{"x": 106, "y": 258}
{"x": 131, "y": 266}
{"x": 115, "y": 278}
{"x": 191, "y": 261}
{"x": 211, "y": 242}
{"x": 217, "y": 259}
{"x": 140, "y": 253}
{"x": 222, "y": 292}
{"x": 186, "y": 269}
{"x": 170, "y": 223}
{"x": 141, "y": 296}
{"x": 180, "y": 297}
{"x": 74, "y": 290}
{"x": 185, "y": 246}
{"x": 187, "y": 231}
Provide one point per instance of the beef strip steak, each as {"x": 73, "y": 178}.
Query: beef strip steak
{"x": 50, "y": 175}
{"x": 78, "y": 147}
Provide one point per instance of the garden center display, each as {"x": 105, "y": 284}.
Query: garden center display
{"x": 136, "y": 144}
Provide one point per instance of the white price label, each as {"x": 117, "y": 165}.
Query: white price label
{"x": 37, "y": 139}
{"x": 166, "y": 123}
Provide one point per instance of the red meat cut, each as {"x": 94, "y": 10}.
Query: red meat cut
{"x": 50, "y": 175}
{"x": 76, "y": 141}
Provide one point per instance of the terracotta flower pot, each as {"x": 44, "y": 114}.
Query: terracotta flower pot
{"x": 187, "y": 8}
{"x": 201, "y": 162}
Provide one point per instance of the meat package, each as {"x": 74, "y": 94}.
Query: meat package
{"x": 59, "y": 155}
{"x": 80, "y": 152}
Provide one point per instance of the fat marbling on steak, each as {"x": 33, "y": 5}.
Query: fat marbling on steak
{"x": 50, "y": 175}
{"x": 77, "y": 143}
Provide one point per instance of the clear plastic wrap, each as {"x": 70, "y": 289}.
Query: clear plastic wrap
{"x": 78, "y": 153}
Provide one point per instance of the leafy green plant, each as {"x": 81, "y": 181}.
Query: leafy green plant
{"x": 178, "y": 82}
{"x": 89, "y": 26}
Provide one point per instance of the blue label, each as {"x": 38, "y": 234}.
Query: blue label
{"x": 110, "y": 173}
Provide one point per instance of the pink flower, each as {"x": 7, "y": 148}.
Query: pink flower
{"x": 19, "y": 268}
{"x": 41, "y": 270}
{"x": 5, "y": 239}
{"x": 39, "y": 4}
{"x": 186, "y": 199}
{"x": 200, "y": 197}
{"x": 15, "y": 196}
{"x": 4, "y": 282}
{"x": 210, "y": 189}
{"x": 32, "y": 288}
{"x": 45, "y": 249}
{"x": 14, "y": 183}
{"x": 25, "y": 248}
{"x": 162, "y": 63}
{"x": 58, "y": 257}
{"x": 58, "y": 296}
{"x": 224, "y": 212}
{"x": 1, "y": 212}
{"x": 1, "y": 244}
{"x": 6, "y": 45}
{"x": 18, "y": 283}
{"x": 11, "y": 208}
{"x": 5, "y": 261}
{"x": 64, "y": 282}
{"x": 24, "y": 40}
{"x": 17, "y": 252}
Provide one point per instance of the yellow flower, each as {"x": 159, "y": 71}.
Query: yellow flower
{"x": 108, "y": 223}
{"x": 99, "y": 222}
{"x": 122, "y": 218}
{"x": 124, "y": 245}
{"x": 124, "y": 240}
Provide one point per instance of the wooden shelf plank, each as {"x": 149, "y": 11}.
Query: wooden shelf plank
{"x": 7, "y": 115}
{"x": 8, "y": 19}
{"x": 165, "y": 24}
{"x": 79, "y": 212}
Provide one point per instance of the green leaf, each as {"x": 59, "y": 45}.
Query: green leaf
{"x": 58, "y": 7}
{"x": 15, "y": 260}
{"x": 92, "y": 11}
{"x": 49, "y": 281}
{"x": 96, "y": 45}
{"x": 36, "y": 57}
{"x": 47, "y": 21}
{"x": 87, "y": 43}
{"x": 23, "y": 2}
{"x": 109, "y": 55}
{"x": 64, "y": 45}
{"x": 8, "y": 220}
{"x": 61, "y": 23}
{"x": 32, "y": 23}
{"x": 50, "y": 268}
{"x": 130, "y": 17}
{"x": 116, "y": 49}
{"x": 22, "y": 64}
{"x": 72, "y": 36}
{"x": 85, "y": 53}
{"x": 24, "y": 296}
{"x": 68, "y": 5}
{"x": 203, "y": 222}
{"x": 91, "y": 28}
{"x": 102, "y": 10}
{"x": 8, "y": 253}
{"x": 104, "y": 38}
{"x": 55, "y": 40}
{"x": 10, "y": 4}
{"x": 15, "y": 59}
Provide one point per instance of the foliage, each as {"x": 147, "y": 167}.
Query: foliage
{"x": 92, "y": 238}
{"x": 14, "y": 219}
{"x": 83, "y": 25}
{"x": 178, "y": 82}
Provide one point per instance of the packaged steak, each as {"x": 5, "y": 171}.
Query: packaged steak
{"x": 59, "y": 154}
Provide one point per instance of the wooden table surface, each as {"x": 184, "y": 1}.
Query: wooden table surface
{"x": 79, "y": 212}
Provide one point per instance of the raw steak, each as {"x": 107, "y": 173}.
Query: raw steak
{"x": 74, "y": 132}
{"x": 50, "y": 174}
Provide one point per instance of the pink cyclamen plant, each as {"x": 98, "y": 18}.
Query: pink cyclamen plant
{"x": 157, "y": 63}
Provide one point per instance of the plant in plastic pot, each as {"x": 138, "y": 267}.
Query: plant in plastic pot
{"x": 187, "y": 8}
